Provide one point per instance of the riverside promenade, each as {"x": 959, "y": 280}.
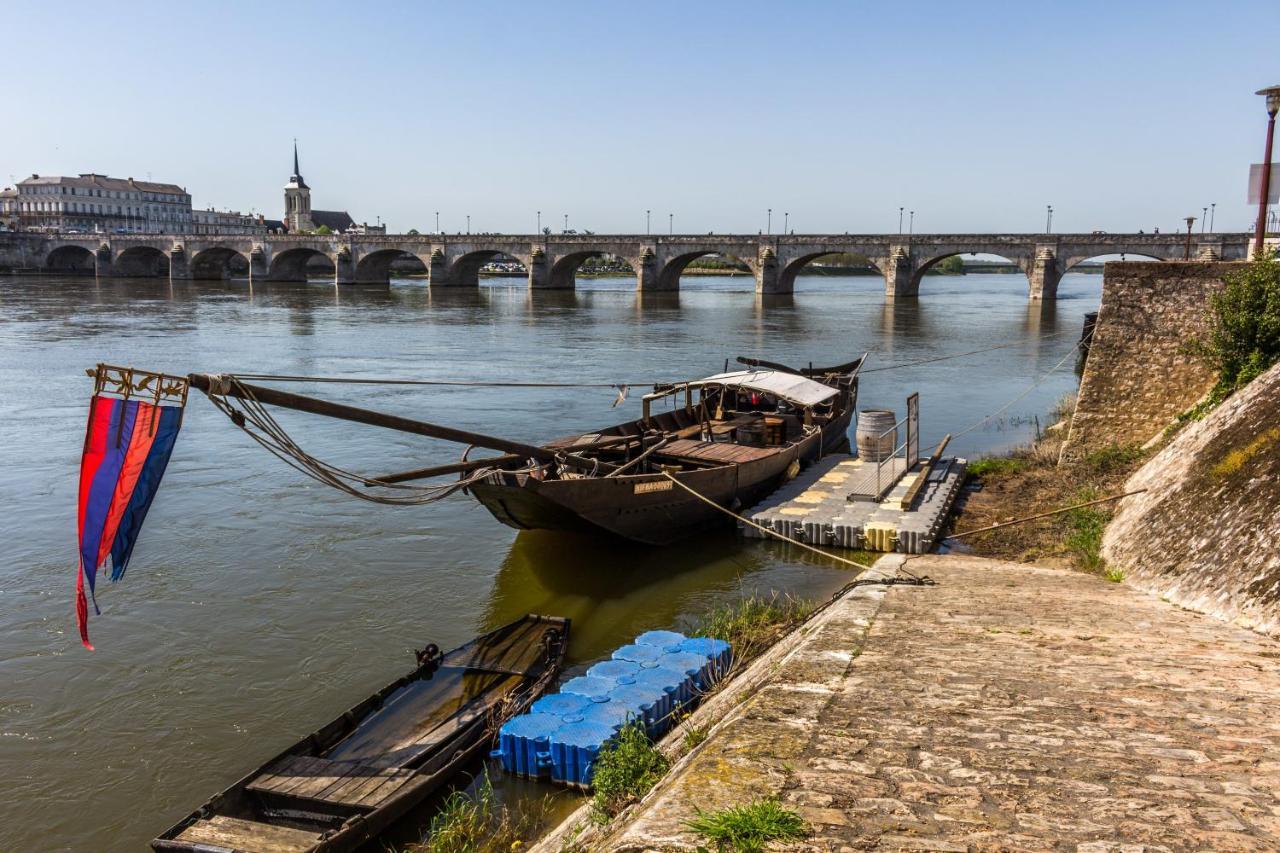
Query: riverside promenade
{"x": 1007, "y": 707}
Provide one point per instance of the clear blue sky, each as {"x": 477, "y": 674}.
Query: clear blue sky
{"x": 1122, "y": 115}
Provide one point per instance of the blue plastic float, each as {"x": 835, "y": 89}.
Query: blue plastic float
{"x": 649, "y": 682}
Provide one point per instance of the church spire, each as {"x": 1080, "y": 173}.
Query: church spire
{"x": 296, "y": 171}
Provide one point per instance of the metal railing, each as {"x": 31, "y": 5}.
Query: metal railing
{"x": 893, "y": 454}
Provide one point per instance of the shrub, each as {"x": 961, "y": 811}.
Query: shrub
{"x": 626, "y": 768}
{"x": 1244, "y": 339}
{"x": 749, "y": 828}
{"x": 1084, "y": 531}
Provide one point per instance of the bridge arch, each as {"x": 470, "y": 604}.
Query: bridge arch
{"x": 375, "y": 267}
{"x": 141, "y": 262}
{"x": 795, "y": 266}
{"x": 669, "y": 273}
{"x": 1071, "y": 261}
{"x": 218, "y": 263}
{"x": 294, "y": 264}
{"x": 564, "y": 271}
{"x": 465, "y": 269}
{"x": 71, "y": 260}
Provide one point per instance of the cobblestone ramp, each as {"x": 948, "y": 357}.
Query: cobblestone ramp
{"x": 816, "y": 507}
{"x": 1008, "y": 707}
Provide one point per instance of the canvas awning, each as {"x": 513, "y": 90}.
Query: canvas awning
{"x": 785, "y": 386}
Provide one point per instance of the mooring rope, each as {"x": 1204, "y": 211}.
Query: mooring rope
{"x": 961, "y": 354}
{"x": 777, "y": 535}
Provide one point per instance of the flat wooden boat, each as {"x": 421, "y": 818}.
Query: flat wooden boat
{"x": 342, "y": 785}
{"x": 733, "y": 438}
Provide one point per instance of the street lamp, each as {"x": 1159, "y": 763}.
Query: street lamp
{"x": 911, "y": 222}
{"x": 437, "y": 222}
{"x": 1186, "y": 251}
{"x": 671, "y": 223}
{"x": 646, "y": 222}
{"x": 468, "y": 223}
{"x": 1048, "y": 219}
{"x": 1204, "y": 218}
{"x": 768, "y": 221}
{"x": 1272, "y": 94}
{"x": 566, "y": 223}
{"x": 539, "y": 221}
{"x": 786, "y": 217}
{"x": 900, "y": 219}
{"x": 1213, "y": 208}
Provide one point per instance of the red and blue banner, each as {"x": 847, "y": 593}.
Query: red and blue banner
{"x": 127, "y": 447}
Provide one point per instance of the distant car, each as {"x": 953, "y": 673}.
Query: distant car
{"x": 1099, "y": 232}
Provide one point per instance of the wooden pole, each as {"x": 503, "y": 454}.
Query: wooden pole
{"x": 1045, "y": 514}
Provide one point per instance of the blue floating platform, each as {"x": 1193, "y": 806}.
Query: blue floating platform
{"x": 647, "y": 682}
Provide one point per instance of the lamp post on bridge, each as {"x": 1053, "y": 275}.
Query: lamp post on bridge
{"x": 468, "y": 223}
{"x": 566, "y": 223}
{"x": 671, "y": 223}
{"x": 1204, "y": 218}
{"x": 1048, "y": 219}
{"x": 1272, "y": 94}
{"x": 539, "y": 221}
{"x": 1213, "y": 209}
{"x": 1186, "y": 249}
{"x": 911, "y": 223}
{"x": 900, "y": 219}
{"x": 437, "y": 222}
{"x": 646, "y": 222}
{"x": 768, "y": 221}
{"x": 786, "y": 217}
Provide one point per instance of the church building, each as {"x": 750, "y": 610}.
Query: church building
{"x": 299, "y": 216}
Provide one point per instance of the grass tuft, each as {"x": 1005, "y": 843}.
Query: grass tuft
{"x": 626, "y": 768}
{"x": 1085, "y": 527}
{"x": 749, "y": 828}
{"x": 753, "y": 623}
{"x": 480, "y": 824}
{"x": 996, "y": 466}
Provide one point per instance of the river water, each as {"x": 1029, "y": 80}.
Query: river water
{"x": 259, "y": 605}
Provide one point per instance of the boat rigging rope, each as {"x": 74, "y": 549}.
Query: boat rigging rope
{"x": 852, "y": 563}
{"x": 960, "y": 354}
{"x": 258, "y": 424}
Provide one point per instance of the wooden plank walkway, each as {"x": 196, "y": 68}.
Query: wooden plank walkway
{"x": 828, "y": 505}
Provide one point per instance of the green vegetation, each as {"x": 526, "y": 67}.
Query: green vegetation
{"x": 749, "y": 828}
{"x": 1112, "y": 459}
{"x": 1244, "y": 339}
{"x": 953, "y": 265}
{"x": 754, "y": 623}
{"x": 1114, "y": 575}
{"x": 480, "y": 824}
{"x": 996, "y": 466}
{"x": 1084, "y": 530}
{"x": 717, "y": 262}
{"x": 626, "y": 768}
{"x": 693, "y": 735}
{"x": 323, "y": 230}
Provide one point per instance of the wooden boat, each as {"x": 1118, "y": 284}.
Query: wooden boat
{"x": 340, "y": 786}
{"x": 733, "y": 438}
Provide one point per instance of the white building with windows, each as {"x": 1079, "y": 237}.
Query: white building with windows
{"x": 98, "y": 204}
{"x": 212, "y": 221}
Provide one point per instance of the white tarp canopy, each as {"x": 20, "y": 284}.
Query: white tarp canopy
{"x": 786, "y": 386}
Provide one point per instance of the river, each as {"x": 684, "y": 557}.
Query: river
{"x": 259, "y": 605}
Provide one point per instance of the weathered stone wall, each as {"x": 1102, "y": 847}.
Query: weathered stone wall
{"x": 1139, "y": 375}
{"x": 1206, "y": 534}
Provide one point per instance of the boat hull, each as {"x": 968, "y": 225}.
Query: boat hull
{"x": 649, "y": 508}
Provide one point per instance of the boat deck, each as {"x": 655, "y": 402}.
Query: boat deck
{"x": 832, "y": 503}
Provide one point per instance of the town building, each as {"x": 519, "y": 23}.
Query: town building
{"x": 98, "y": 204}
{"x": 299, "y": 217}
{"x": 212, "y": 221}
{"x": 8, "y": 209}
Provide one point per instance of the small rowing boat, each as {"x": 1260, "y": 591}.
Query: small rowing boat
{"x": 344, "y": 784}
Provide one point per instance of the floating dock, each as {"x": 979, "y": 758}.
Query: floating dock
{"x": 648, "y": 682}
{"x": 840, "y": 501}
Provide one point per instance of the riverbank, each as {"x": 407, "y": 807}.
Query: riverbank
{"x": 1007, "y": 705}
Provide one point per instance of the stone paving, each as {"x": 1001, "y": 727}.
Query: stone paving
{"x": 1009, "y": 707}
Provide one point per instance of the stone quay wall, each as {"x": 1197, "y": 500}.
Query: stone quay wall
{"x": 1140, "y": 375}
{"x": 1206, "y": 533}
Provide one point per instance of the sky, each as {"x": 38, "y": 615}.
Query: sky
{"x": 1122, "y": 115}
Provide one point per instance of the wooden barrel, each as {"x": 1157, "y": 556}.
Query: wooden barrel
{"x": 871, "y": 423}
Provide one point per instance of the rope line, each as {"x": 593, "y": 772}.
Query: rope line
{"x": 961, "y": 354}
{"x": 260, "y": 426}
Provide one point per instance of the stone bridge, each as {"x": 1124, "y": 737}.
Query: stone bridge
{"x": 552, "y": 261}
